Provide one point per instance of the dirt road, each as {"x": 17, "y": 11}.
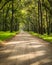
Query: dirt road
{"x": 25, "y": 49}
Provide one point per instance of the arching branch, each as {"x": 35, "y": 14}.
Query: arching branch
{"x": 4, "y": 4}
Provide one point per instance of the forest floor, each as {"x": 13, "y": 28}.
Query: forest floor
{"x": 25, "y": 49}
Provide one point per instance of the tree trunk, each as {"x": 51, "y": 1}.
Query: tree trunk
{"x": 11, "y": 27}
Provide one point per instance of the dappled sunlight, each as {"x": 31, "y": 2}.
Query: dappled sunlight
{"x": 25, "y": 50}
{"x": 25, "y": 32}
{"x": 42, "y": 62}
{"x": 36, "y": 63}
{"x": 22, "y": 57}
{"x": 46, "y": 60}
{"x": 40, "y": 53}
{"x": 16, "y": 42}
{"x": 29, "y": 55}
{"x": 25, "y": 43}
{"x": 24, "y": 11}
{"x": 35, "y": 46}
{"x": 5, "y": 51}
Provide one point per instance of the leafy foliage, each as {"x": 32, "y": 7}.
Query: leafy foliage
{"x": 35, "y": 14}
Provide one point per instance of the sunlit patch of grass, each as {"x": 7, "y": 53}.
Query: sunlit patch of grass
{"x": 6, "y": 35}
{"x": 44, "y": 37}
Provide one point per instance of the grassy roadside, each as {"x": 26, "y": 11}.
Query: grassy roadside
{"x": 6, "y": 35}
{"x": 44, "y": 37}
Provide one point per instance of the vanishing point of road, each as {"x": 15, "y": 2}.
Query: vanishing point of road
{"x": 25, "y": 49}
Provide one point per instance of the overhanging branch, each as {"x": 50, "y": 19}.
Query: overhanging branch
{"x": 4, "y": 4}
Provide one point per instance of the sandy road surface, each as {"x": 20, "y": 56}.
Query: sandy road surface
{"x": 25, "y": 49}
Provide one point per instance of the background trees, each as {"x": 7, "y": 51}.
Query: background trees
{"x": 36, "y": 15}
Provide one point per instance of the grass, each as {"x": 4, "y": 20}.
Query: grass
{"x": 44, "y": 37}
{"x": 6, "y": 35}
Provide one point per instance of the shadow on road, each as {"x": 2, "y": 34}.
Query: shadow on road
{"x": 26, "y": 51}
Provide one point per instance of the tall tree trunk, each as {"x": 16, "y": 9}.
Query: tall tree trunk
{"x": 11, "y": 27}
{"x": 49, "y": 25}
{"x": 41, "y": 23}
{"x": 38, "y": 17}
{"x": 48, "y": 22}
{"x": 3, "y": 21}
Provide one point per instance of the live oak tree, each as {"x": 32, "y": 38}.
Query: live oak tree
{"x": 35, "y": 14}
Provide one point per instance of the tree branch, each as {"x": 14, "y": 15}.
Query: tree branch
{"x": 4, "y": 4}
